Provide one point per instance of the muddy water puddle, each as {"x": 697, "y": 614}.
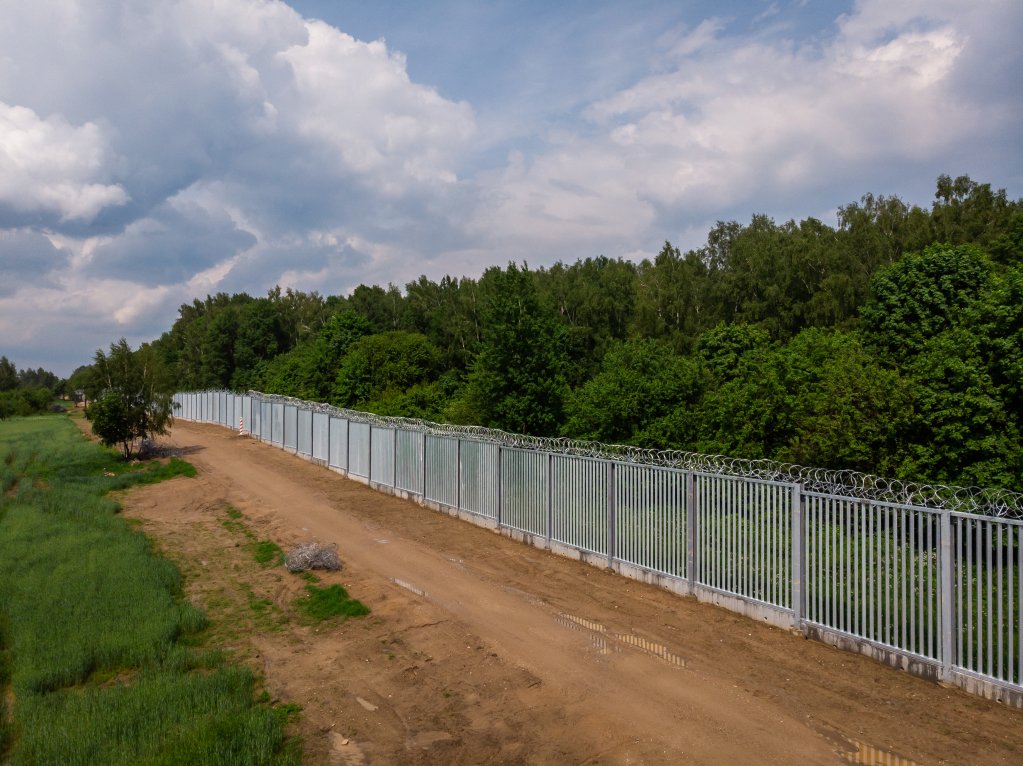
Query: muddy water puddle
{"x": 610, "y": 642}
{"x": 873, "y": 756}
{"x": 856, "y": 751}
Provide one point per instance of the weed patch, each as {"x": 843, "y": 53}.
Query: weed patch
{"x": 332, "y": 601}
{"x": 268, "y": 553}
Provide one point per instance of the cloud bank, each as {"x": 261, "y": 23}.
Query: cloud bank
{"x": 152, "y": 153}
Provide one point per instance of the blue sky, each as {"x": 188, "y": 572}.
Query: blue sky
{"x": 151, "y": 153}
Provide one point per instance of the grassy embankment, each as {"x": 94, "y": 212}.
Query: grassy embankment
{"x": 98, "y": 652}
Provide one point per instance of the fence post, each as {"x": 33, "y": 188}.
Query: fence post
{"x": 424, "y": 465}
{"x": 550, "y": 500}
{"x": 798, "y": 562}
{"x": 500, "y": 486}
{"x": 612, "y": 514}
{"x": 394, "y": 457}
{"x": 692, "y": 500}
{"x": 458, "y": 473}
{"x": 947, "y": 588}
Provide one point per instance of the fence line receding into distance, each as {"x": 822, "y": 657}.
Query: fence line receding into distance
{"x": 928, "y": 578}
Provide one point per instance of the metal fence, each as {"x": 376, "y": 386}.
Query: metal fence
{"x": 927, "y": 578}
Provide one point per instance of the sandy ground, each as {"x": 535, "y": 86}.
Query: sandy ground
{"x": 480, "y": 650}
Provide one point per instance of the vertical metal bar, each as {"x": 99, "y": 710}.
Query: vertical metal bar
{"x": 1000, "y": 644}
{"x": 500, "y": 485}
{"x": 968, "y": 589}
{"x": 1010, "y": 611}
{"x": 848, "y": 572}
{"x": 691, "y": 529}
{"x": 458, "y": 473}
{"x": 612, "y": 513}
{"x": 990, "y": 591}
{"x": 914, "y": 523}
{"x": 929, "y": 544}
{"x": 798, "y": 574}
{"x": 1019, "y": 601}
{"x": 903, "y": 577}
{"x": 424, "y": 464}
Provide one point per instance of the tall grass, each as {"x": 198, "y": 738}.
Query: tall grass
{"x": 92, "y": 622}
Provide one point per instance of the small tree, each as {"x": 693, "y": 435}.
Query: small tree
{"x": 133, "y": 404}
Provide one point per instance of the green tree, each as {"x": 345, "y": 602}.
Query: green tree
{"x": 820, "y": 399}
{"x": 595, "y": 299}
{"x": 135, "y": 403}
{"x": 517, "y": 382}
{"x": 383, "y": 366}
{"x": 639, "y": 382}
{"x": 309, "y": 370}
{"x": 922, "y": 295}
{"x": 963, "y": 432}
{"x": 8, "y": 374}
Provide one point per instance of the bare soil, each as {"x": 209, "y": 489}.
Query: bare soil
{"x": 480, "y": 650}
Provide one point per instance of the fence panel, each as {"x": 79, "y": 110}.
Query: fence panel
{"x": 277, "y": 424}
{"x": 479, "y": 478}
{"x": 408, "y": 470}
{"x": 650, "y": 507}
{"x": 382, "y": 467}
{"x": 321, "y": 436}
{"x": 872, "y": 571}
{"x": 338, "y": 432}
{"x": 580, "y": 502}
{"x": 304, "y": 432}
{"x": 743, "y": 545}
{"x": 358, "y": 449}
{"x": 442, "y": 469}
{"x": 988, "y": 581}
{"x": 524, "y": 493}
{"x": 291, "y": 427}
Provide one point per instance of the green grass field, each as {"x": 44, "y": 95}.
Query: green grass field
{"x": 96, "y": 643}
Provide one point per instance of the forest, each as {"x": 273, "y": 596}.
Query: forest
{"x": 891, "y": 343}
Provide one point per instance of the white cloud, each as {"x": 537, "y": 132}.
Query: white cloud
{"x": 357, "y": 99}
{"x": 50, "y": 166}
{"x": 169, "y": 149}
{"x": 722, "y": 121}
{"x": 193, "y": 146}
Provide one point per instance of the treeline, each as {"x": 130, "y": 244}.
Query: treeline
{"x": 26, "y": 392}
{"x": 890, "y": 344}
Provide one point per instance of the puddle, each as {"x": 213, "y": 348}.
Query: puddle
{"x": 408, "y": 586}
{"x": 855, "y": 751}
{"x": 607, "y": 642}
{"x": 595, "y": 631}
{"x": 873, "y": 756}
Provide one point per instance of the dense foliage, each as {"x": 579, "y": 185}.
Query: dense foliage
{"x": 26, "y": 392}
{"x": 892, "y": 343}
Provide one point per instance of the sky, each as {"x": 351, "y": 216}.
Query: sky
{"x": 153, "y": 153}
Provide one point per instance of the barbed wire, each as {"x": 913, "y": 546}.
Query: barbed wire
{"x": 1000, "y": 503}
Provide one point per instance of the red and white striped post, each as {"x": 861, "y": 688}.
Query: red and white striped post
{"x": 241, "y": 426}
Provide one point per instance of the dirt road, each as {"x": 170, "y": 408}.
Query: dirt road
{"x": 482, "y": 650}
